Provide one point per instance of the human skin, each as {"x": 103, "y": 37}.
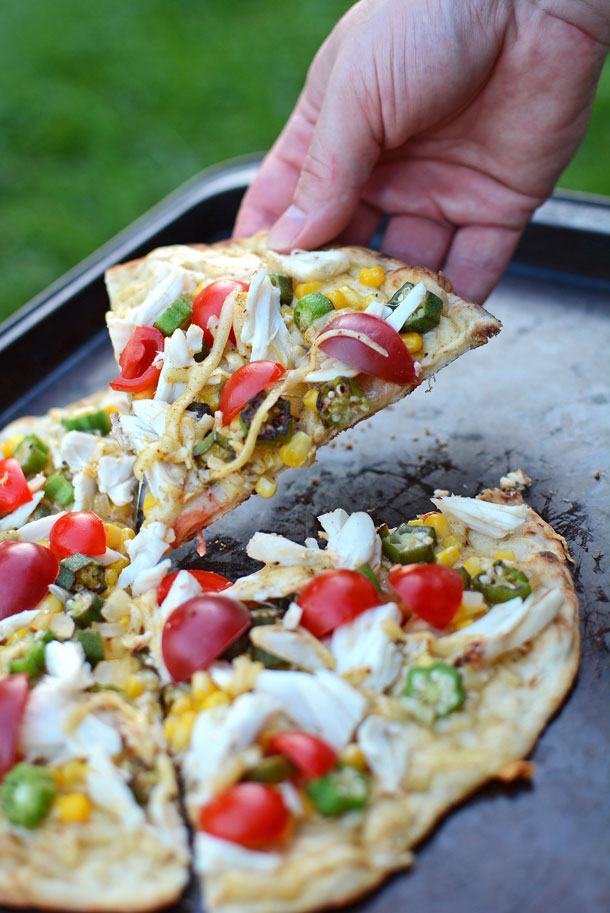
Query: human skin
{"x": 454, "y": 117}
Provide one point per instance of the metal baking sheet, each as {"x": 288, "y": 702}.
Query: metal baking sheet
{"x": 536, "y": 398}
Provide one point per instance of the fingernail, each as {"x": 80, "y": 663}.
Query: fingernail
{"x": 287, "y": 229}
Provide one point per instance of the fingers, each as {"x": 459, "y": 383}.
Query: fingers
{"x": 417, "y": 240}
{"x": 477, "y": 258}
{"x": 362, "y": 226}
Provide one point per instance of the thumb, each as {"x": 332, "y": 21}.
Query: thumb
{"x": 341, "y": 155}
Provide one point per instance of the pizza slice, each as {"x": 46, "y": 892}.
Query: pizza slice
{"x": 240, "y": 362}
{"x": 346, "y": 696}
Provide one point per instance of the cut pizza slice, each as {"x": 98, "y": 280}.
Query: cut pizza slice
{"x": 346, "y": 696}
{"x": 241, "y": 362}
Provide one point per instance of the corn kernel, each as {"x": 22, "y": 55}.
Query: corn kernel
{"x": 353, "y": 298}
{"x": 110, "y": 410}
{"x": 306, "y": 288}
{"x": 182, "y": 730}
{"x": 297, "y": 450}
{"x": 465, "y": 615}
{"x": 202, "y": 684}
{"x": 338, "y": 298}
{"x": 504, "y": 555}
{"x": 418, "y": 522}
{"x": 182, "y": 703}
{"x": 132, "y": 686}
{"x": 169, "y": 727}
{"x": 74, "y": 807}
{"x": 311, "y": 399}
{"x": 116, "y": 536}
{"x": 353, "y": 755}
{"x": 145, "y": 394}
{"x": 11, "y": 444}
{"x": 265, "y": 487}
{"x": 448, "y": 541}
{"x": 16, "y": 635}
{"x": 413, "y": 341}
{"x": 448, "y": 556}
{"x": 149, "y": 502}
{"x": 372, "y": 276}
{"x": 71, "y": 774}
{"x": 439, "y": 523}
{"x": 216, "y": 699}
{"x": 199, "y": 288}
{"x": 473, "y": 566}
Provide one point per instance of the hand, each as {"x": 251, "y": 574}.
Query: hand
{"x": 455, "y": 117}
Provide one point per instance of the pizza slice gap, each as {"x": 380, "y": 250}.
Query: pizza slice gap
{"x": 241, "y": 362}
{"x": 382, "y": 676}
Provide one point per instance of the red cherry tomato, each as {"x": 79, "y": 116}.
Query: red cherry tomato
{"x": 397, "y": 366}
{"x": 311, "y": 756}
{"x": 208, "y": 303}
{"x": 198, "y": 631}
{"x": 209, "y": 581}
{"x": 334, "y": 597}
{"x": 251, "y": 814}
{"x": 26, "y": 570}
{"x": 432, "y": 591}
{"x": 14, "y": 489}
{"x": 137, "y": 370}
{"x": 79, "y": 531}
{"x": 13, "y": 697}
{"x": 247, "y": 381}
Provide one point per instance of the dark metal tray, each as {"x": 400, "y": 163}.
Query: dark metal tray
{"x": 536, "y": 398}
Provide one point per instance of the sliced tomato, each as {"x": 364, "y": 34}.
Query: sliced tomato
{"x": 312, "y": 757}
{"x": 26, "y": 570}
{"x": 432, "y": 591}
{"x": 79, "y": 531}
{"x": 396, "y": 366}
{"x": 198, "y": 631}
{"x": 208, "y": 303}
{"x": 13, "y": 698}
{"x": 137, "y": 370}
{"x": 247, "y": 381}
{"x": 14, "y": 489}
{"x": 251, "y": 814}
{"x": 208, "y": 580}
{"x": 334, "y": 597}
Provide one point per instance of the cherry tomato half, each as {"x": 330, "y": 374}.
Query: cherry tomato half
{"x": 14, "y": 489}
{"x": 26, "y": 570}
{"x": 208, "y": 303}
{"x": 198, "y": 631}
{"x": 208, "y": 580}
{"x": 432, "y": 591}
{"x": 334, "y": 597}
{"x": 13, "y": 697}
{"x": 247, "y": 381}
{"x": 251, "y": 814}
{"x": 397, "y": 366}
{"x": 79, "y": 531}
{"x": 311, "y": 756}
{"x": 137, "y": 370}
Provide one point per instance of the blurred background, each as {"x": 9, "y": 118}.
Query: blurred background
{"x": 108, "y": 106}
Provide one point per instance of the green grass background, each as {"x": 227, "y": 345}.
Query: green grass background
{"x": 107, "y": 106}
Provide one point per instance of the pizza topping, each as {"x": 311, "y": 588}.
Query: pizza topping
{"x": 271, "y": 770}
{"x": 251, "y": 814}
{"x": 409, "y": 544}
{"x": 26, "y": 570}
{"x": 495, "y": 520}
{"x": 308, "y": 265}
{"x": 84, "y": 608}
{"x": 207, "y": 306}
{"x": 93, "y": 646}
{"x": 13, "y": 698}
{"x": 333, "y": 598}
{"x": 198, "y": 632}
{"x": 78, "y": 531}
{"x": 14, "y": 489}
{"x": 138, "y": 361}
{"x": 107, "y": 786}
{"x": 247, "y": 382}
{"x": 32, "y": 662}
{"x": 374, "y": 348}
{"x": 310, "y": 755}
{"x": 310, "y": 308}
{"x": 438, "y": 687}
{"x": 145, "y": 552}
{"x": 432, "y": 591}
{"x": 386, "y": 746}
{"x": 32, "y": 454}
{"x": 215, "y": 855}
{"x": 277, "y": 427}
{"x": 81, "y": 572}
{"x": 215, "y": 445}
{"x": 416, "y": 309}
{"x": 27, "y": 795}
{"x": 297, "y": 647}
{"x": 284, "y": 284}
{"x": 89, "y": 422}
{"x": 77, "y": 448}
{"x": 58, "y": 489}
{"x": 365, "y": 645}
{"x": 116, "y": 479}
{"x": 501, "y": 583}
{"x": 341, "y": 402}
{"x": 176, "y": 316}
{"x": 181, "y": 351}
{"x": 342, "y": 790}
{"x": 263, "y": 328}
{"x": 207, "y": 581}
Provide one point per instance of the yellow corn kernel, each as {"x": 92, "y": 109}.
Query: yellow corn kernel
{"x": 182, "y": 730}
{"x": 16, "y": 635}
{"x": 73, "y": 807}
{"x": 11, "y": 444}
{"x": 216, "y": 699}
{"x": 297, "y": 450}
{"x": 506, "y": 554}
{"x": 110, "y": 410}
{"x": 265, "y": 487}
{"x": 448, "y": 556}
{"x": 353, "y": 298}
{"x": 117, "y": 536}
{"x": 200, "y": 288}
{"x": 50, "y": 603}
{"x": 418, "y": 522}
{"x": 424, "y": 659}
{"x": 311, "y": 399}
{"x": 202, "y": 685}
{"x": 145, "y": 394}
{"x": 338, "y": 299}
{"x": 413, "y": 341}
{"x": 133, "y": 687}
{"x": 71, "y": 774}
{"x": 372, "y": 276}
{"x": 448, "y": 541}
{"x": 352, "y": 754}
{"x": 306, "y": 288}
{"x": 473, "y": 566}
{"x": 440, "y": 525}
{"x": 182, "y": 704}
{"x": 465, "y": 616}
{"x": 149, "y": 502}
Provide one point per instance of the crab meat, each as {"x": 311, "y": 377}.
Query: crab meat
{"x": 298, "y": 647}
{"x": 364, "y": 644}
{"x": 494, "y": 520}
{"x": 387, "y": 745}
